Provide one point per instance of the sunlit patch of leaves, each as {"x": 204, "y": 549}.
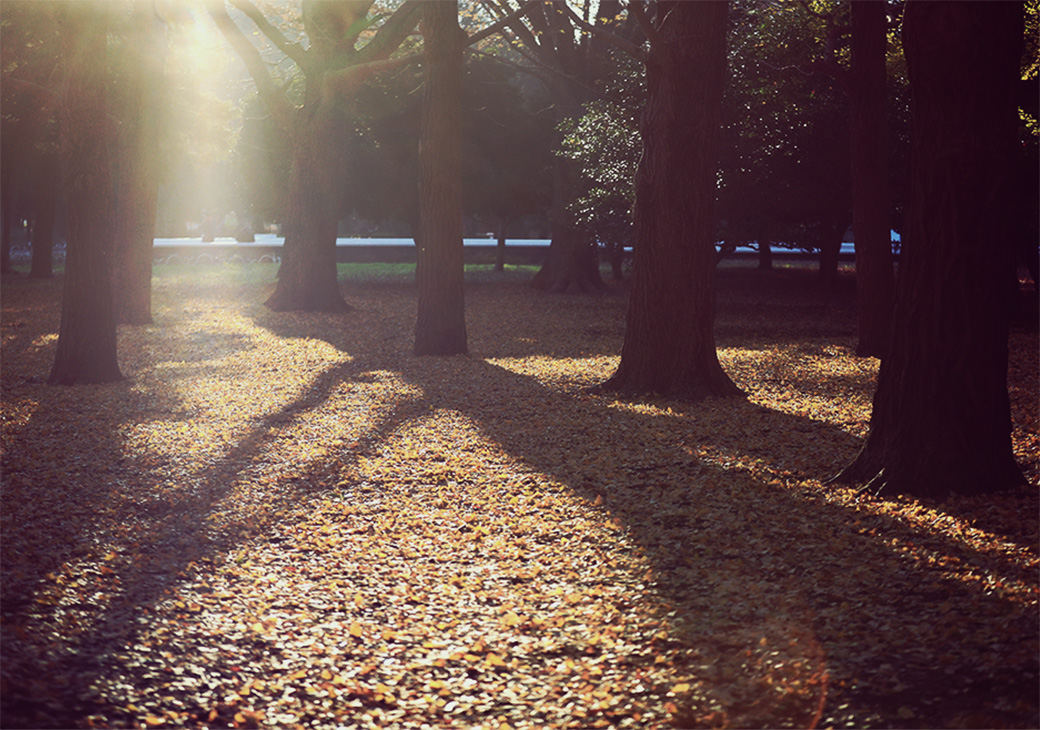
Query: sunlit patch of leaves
{"x": 286, "y": 520}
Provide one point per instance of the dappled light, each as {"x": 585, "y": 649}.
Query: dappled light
{"x": 285, "y": 519}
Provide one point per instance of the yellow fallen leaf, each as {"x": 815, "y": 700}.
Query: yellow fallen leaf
{"x": 356, "y": 630}
{"x": 681, "y": 688}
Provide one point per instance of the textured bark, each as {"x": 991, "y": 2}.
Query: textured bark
{"x": 669, "y": 346}
{"x": 307, "y": 278}
{"x": 875, "y": 279}
{"x": 44, "y": 218}
{"x": 942, "y": 421}
{"x": 440, "y": 328}
{"x": 87, "y": 338}
{"x": 138, "y": 186}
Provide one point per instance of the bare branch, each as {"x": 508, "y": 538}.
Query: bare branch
{"x": 293, "y": 50}
{"x": 618, "y": 42}
{"x": 276, "y": 101}
{"x": 501, "y": 23}
{"x": 392, "y": 33}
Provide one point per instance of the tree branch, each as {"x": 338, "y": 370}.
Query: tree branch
{"x": 293, "y": 50}
{"x": 618, "y": 42}
{"x": 392, "y": 33}
{"x": 501, "y": 23}
{"x": 277, "y": 103}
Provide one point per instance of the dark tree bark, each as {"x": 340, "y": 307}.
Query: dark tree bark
{"x": 441, "y": 324}
{"x": 829, "y": 242}
{"x": 875, "y": 280}
{"x": 942, "y": 421}
{"x": 87, "y": 337}
{"x": 500, "y": 245}
{"x": 44, "y": 218}
{"x": 765, "y": 254}
{"x": 669, "y": 346}
{"x": 138, "y": 186}
{"x": 307, "y": 278}
{"x": 571, "y": 262}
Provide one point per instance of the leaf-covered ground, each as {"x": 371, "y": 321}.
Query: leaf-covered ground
{"x": 286, "y": 520}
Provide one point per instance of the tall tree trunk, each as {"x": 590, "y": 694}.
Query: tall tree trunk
{"x": 138, "y": 186}
{"x": 307, "y": 278}
{"x": 440, "y": 328}
{"x": 87, "y": 337}
{"x": 49, "y": 182}
{"x": 571, "y": 262}
{"x": 669, "y": 346}
{"x": 875, "y": 280}
{"x": 942, "y": 421}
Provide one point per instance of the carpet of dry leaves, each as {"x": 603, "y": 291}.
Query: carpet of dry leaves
{"x": 287, "y": 520}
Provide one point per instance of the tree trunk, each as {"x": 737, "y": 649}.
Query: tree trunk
{"x": 875, "y": 280}
{"x": 830, "y": 251}
{"x": 500, "y": 248}
{"x": 669, "y": 346}
{"x": 307, "y": 278}
{"x": 942, "y": 421}
{"x": 440, "y": 328}
{"x": 571, "y": 262}
{"x": 87, "y": 337}
{"x": 45, "y": 217}
{"x": 138, "y": 186}
{"x": 765, "y": 254}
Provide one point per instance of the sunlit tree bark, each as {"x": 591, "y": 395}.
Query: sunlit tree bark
{"x": 138, "y": 185}
{"x": 441, "y": 327}
{"x": 669, "y": 346}
{"x": 87, "y": 338}
{"x": 941, "y": 421}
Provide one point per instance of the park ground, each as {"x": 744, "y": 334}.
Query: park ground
{"x": 287, "y": 520}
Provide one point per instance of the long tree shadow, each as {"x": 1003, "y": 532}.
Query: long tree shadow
{"x": 897, "y": 640}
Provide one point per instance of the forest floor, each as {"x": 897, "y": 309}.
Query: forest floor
{"x": 287, "y": 520}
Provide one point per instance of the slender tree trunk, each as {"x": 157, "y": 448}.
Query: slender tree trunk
{"x": 669, "y": 346}
{"x": 307, "y": 278}
{"x": 942, "y": 421}
{"x": 138, "y": 187}
{"x": 765, "y": 254}
{"x": 46, "y": 215}
{"x": 830, "y": 251}
{"x": 875, "y": 280}
{"x": 441, "y": 324}
{"x": 87, "y": 337}
{"x": 500, "y": 248}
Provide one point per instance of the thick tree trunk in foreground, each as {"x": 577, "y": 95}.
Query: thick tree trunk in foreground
{"x": 307, "y": 278}
{"x": 87, "y": 338}
{"x": 875, "y": 280}
{"x": 441, "y": 325}
{"x": 45, "y": 216}
{"x": 669, "y": 346}
{"x": 941, "y": 421}
{"x": 138, "y": 188}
